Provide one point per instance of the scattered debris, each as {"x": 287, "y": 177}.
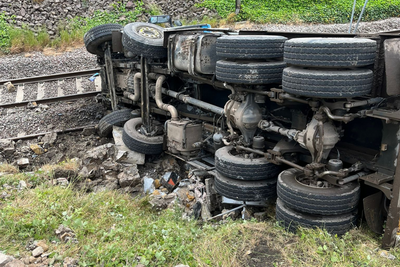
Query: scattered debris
{"x": 9, "y": 87}
{"x": 169, "y": 180}
{"x": 23, "y": 162}
{"x": 123, "y": 153}
{"x": 148, "y": 185}
{"x": 38, "y": 150}
{"x": 66, "y": 234}
{"x": 37, "y": 251}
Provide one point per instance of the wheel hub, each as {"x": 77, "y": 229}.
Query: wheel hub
{"x": 149, "y": 32}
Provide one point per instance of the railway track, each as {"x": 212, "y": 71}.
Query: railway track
{"x": 49, "y": 88}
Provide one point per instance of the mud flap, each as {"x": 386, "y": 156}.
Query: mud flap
{"x": 373, "y": 212}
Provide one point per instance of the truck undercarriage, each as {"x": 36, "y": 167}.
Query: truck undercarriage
{"x": 310, "y": 118}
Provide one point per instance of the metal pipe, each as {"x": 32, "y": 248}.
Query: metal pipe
{"x": 346, "y": 118}
{"x": 354, "y": 177}
{"x": 160, "y": 103}
{"x": 293, "y": 98}
{"x": 226, "y": 212}
{"x": 371, "y": 101}
{"x": 361, "y": 14}
{"x": 339, "y": 174}
{"x": 136, "y": 88}
{"x": 194, "y": 101}
{"x": 294, "y": 165}
{"x": 352, "y": 15}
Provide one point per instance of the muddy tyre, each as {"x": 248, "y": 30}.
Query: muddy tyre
{"x": 247, "y": 72}
{"x": 115, "y": 118}
{"x": 239, "y": 168}
{"x": 144, "y": 39}
{"x": 97, "y": 36}
{"x": 135, "y": 141}
{"x": 330, "y": 52}
{"x": 250, "y": 47}
{"x": 316, "y": 200}
{"x": 334, "y": 224}
{"x": 327, "y": 83}
{"x": 245, "y": 190}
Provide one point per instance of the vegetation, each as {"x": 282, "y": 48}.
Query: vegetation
{"x": 310, "y": 11}
{"x": 115, "y": 230}
{"x": 71, "y": 32}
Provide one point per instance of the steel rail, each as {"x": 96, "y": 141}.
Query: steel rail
{"x": 52, "y": 77}
{"x": 30, "y": 136}
{"x": 50, "y": 100}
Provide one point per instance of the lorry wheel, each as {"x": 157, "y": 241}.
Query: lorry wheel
{"x": 235, "y": 166}
{"x": 144, "y": 39}
{"x": 334, "y": 224}
{"x": 250, "y": 46}
{"x": 327, "y": 83}
{"x": 96, "y": 37}
{"x": 115, "y": 118}
{"x": 135, "y": 141}
{"x": 330, "y": 52}
{"x": 245, "y": 190}
{"x": 247, "y": 72}
{"x": 298, "y": 194}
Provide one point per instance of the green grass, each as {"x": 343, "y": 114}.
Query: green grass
{"x": 116, "y": 230}
{"x": 297, "y": 11}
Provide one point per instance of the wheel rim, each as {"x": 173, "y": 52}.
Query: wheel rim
{"x": 312, "y": 182}
{"x": 149, "y": 32}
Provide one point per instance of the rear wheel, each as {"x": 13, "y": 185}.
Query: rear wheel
{"x": 249, "y": 46}
{"x": 234, "y": 165}
{"x": 334, "y": 224}
{"x": 330, "y": 52}
{"x": 136, "y": 141}
{"x": 327, "y": 83}
{"x": 301, "y": 194}
{"x": 115, "y": 118}
{"x": 97, "y": 36}
{"x": 245, "y": 190}
{"x": 249, "y": 72}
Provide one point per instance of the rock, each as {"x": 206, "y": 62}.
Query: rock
{"x": 70, "y": 262}
{"x": 9, "y": 87}
{"x": 98, "y": 154}
{"x": 159, "y": 202}
{"x": 15, "y": 263}
{"x": 22, "y": 185}
{"x": 129, "y": 177}
{"x": 123, "y": 153}
{"x": 37, "y": 149}
{"x": 89, "y": 131}
{"x": 197, "y": 210}
{"x": 205, "y": 212}
{"x": 387, "y": 255}
{"x": 129, "y": 5}
{"x": 37, "y": 252}
{"x": 23, "y": 162}
{"x": 66, "y": 234}
{"x": 4, "y": 259}
{"x": 106, "y": 185}
{"x": 49, "y": 138}
{"x": 246, "y": 214}
{"x": 157, "y": 183}
{"x": 6, "y": 143}
{"x": 148, "y": 185}
{"x": 260, "y": 216}
{"x": 63, "y": 182}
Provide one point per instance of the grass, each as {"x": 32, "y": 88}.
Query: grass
{"x": 115, "y": 230}
{"x": 300, "y": 11}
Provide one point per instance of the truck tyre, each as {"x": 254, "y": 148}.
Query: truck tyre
{"x": 245, "y": 190}
{"x": 334, "y": 224}
{"x": 239, "y": 168}
{"x": 250, "y": 46}
{"x": 96, "y": 37}
{"x": 144, "y": 39}
{"x": 115, "y": 118}
{"x": 316, "y": 200}
{"x": 327, "y": 83}
{"x": 135, "y": 141}
{"x": 330, "y": 52}
{"x": 247, "y": 72}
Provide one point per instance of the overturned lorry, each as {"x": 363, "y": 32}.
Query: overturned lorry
{"x": 312, "y": 119}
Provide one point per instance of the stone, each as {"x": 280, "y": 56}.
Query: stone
{"x": 37, "y": 252}
{"x": 148, "y": 185}
{"x": 157, "y": 183}
{"x": 23, "y": 162}
{"x": 9, "y": 87}
{"x": 89, "y": 131}
{"x": 4, "y": 259}
{"x": 49, "y": 138}
{"x": 205, "y": 212}
{"x": 260, "y": 216}
{"x": 123, "y": 153}
{"x": 129, "y": 177}
{"x": 63, "y": 182}
{"x": 98, "y": 154}
{"x": 15, "y": 263}
{"x": 159, "y": 202}
{"x": 129, "y": 5}
{"x": 69, "y": 262}
{"x": 22, "y": 185}
{"x": 38, "y": 150}
{"x": 106, "y": 185}
{"x": 6, "y": 143}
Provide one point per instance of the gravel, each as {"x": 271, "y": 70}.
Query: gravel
{"x": 364, "y": 27}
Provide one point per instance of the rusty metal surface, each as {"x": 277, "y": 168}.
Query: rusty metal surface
{"x": 52, "y": 77}
{"x": 373, "y": 212}
{"x": 392, "y": 66}
{"x": 392, "y": 222}
{"x": 377, "y": 178}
